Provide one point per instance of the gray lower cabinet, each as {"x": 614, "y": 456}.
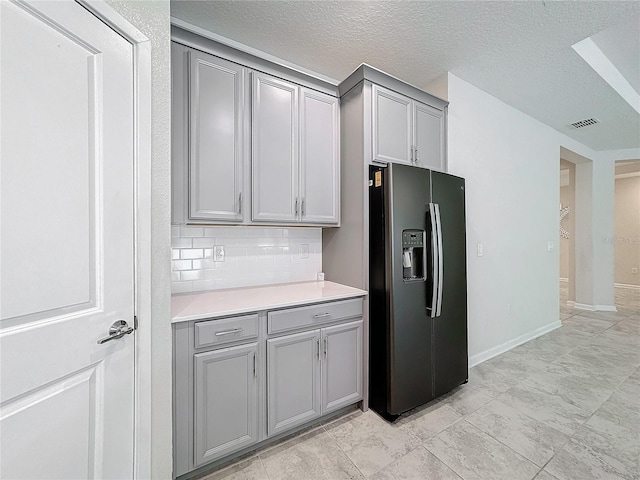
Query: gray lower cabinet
{"x": 226, "y": 401}
{"x": 293, "y": 380}
{"x": 313, "y": 373}
{"x": 342, "y": 366}
{"x": 242, "y": 379}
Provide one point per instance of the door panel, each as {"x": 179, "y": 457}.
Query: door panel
{"x": 450, "y": 328}
{"x": 274, "y": 158}
{"x": 293, "y": 380}
{"x": 429, "y": 137}
{"x": 66, "y": 244}
{"x": 226, "y": 396}
{"x": 320, "y": 184}
{"x": 216, "y": 141}
{"x": 410, "y": 338}
{"x": 391, "y": 126}
{"x": 342, "y": 368}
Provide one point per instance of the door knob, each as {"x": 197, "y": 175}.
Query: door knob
{"x": 118, "y": 329}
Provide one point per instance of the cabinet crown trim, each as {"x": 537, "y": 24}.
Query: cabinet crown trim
{"x": 372, "y": 74}
{"x": 197, "y": 38}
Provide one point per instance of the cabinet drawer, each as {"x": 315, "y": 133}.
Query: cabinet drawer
{"x": 225, "y": 330}
{"x": 312, "y": 315}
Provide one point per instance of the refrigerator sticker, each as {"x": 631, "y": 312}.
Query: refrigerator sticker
{"x": 378, "y": 178}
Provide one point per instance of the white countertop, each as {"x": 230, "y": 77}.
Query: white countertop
{"x": 235, "y": 301}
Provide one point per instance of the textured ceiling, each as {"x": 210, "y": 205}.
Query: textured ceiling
{"x": 520, "y": 52}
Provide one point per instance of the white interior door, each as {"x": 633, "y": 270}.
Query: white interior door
{"x": 66, "y": 244}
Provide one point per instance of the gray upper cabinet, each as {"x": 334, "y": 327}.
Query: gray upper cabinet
{"x": 428, "y": 135}
{"x": 293, "y": 380}
{"x": 250, "y": 147}
{"x": 274, "y": 159}
{"x": 226, "y": 401}
{"x": 406, "y": 131}
{"x": 319, "y": 158}
{"x": 295, "y": 155}
{"x": 342, "y": 367}
{"x": 391, "y": 126}
{"x": 216, "y": 140}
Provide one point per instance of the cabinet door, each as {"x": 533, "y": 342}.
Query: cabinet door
{"x": 274, "y": 158}
{"x": 342, "y": 368}
{"x": 225, "y": 418}
{"x": 429, "y": 137}
{"x": 391, "y": 126}
{"x": 216, "y": 140}
{"x": 293, "y": 380}
{"x": 319, "y": 158}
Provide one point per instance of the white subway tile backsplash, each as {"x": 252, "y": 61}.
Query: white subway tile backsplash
{"x": 204, "y": 242}
{"x": 191, "y": 275}
{"x": 191, "y": 231}
{"x": 253, "y": 256}
{"x": 180, "y": 265}
{"x": 181, "y": 242}
{"x": 191, "y": 253}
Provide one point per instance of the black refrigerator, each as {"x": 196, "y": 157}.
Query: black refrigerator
{"x": 417, "y": 287}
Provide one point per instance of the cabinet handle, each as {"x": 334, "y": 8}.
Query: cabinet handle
{"x": 318, "y": 342}
{"x": 416, "y": 156}
{"x": 255, "y": 365}
{"x": 326, "y": 346}
{"x": 296, "y": 207}
{"x": 240, "y": 203}
{"x": 302, "y": 207}
{"x": 322, "y": 315}
{"x": 228, "y": 332}
{"x": 411, "y": 159}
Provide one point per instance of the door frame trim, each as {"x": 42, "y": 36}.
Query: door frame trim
{"x": 142, "y": 229}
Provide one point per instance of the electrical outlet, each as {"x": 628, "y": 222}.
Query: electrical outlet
{"x": 634, "y": 270}
{"x": 304, "y": 250}
{"x": 321, "y": 276}
{"x": 480, "y": 250}
{"x": 218, "y": 253}
{"x": 550, "y": 246}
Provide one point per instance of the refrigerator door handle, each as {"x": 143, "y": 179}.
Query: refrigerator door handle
{"x": 432, "y": 307}
{"x": 440, "y": 263}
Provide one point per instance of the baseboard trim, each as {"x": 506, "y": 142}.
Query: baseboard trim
{"x": 606, "y": 308}
{"x": 627, "y": 286}
{"x": 564, "y": 280}
{"x": 497, "y": 350}
{"x": 593, "y": 308}
{"x": 584, "y": 306}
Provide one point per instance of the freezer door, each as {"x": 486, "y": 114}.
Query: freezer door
{"x": 450, "y": 354}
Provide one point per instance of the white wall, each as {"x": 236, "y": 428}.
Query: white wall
{"x": 253, "y": 256}
{"x": 152, "y": 19}
{"x": 510, "y": 163}
{"x": 627, "y": 238}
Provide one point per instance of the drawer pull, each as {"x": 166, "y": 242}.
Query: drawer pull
{"x": 321, "y": 315}
{"x": 228, "y": 332}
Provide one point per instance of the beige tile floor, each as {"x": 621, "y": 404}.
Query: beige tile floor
{"x": 564, "y": 406}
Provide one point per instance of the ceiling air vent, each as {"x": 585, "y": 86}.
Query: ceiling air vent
{"x": 585, "y": 123}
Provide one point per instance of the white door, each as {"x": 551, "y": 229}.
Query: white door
{"x": 66, "y": 244}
